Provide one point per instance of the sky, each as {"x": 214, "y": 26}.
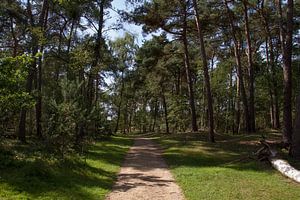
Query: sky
{"x": 112, "y": 34}
{"x": 131, "y": 28}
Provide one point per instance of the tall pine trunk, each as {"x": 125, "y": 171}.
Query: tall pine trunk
{"x": 38, "y": 107}
{"x": 15, "y": 40}
{"x": 188, "y": 72}
{"x": 271, "y": 63}
{"x": 295, "y": 150}
{"x": 165, "y": 112}
{"x": 286, "y": 39}
{"x": 96, "y": 58}
{"x": 120, "y": 103}
{"x": 239, "y": 68}
{"x": 33, "y": 72}
{"x": 237, "y": 107}
{"x": 155, "y": 115}
{"x": 274, "y": 104}
{"x": 22, "y": 122}
{"x": 206, "y": 74}
{"x": 250, "y": 70}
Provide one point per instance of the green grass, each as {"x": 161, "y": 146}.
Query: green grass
{"x": 223, "y": 170}
{"x": 27, "y": 173}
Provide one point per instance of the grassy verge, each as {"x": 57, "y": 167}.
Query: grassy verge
{"x": 224, "y": 170}
{"x": 29, "y": 174}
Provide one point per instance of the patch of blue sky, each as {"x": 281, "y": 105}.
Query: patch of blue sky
{"x": 114, "y": 20}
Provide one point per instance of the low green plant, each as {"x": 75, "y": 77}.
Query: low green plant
{"x": 28, "y": 172}
{"x": 64, "y": 116}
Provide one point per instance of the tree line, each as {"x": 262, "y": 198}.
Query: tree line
{"x": 219, "y": 66}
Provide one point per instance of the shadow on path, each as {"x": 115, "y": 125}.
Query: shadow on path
{"x": 145, "y": 175}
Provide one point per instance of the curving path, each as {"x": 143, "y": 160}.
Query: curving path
{"x": 145, "y": 175}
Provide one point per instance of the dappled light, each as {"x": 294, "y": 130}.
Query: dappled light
{"x": 226, "y": 170}
{"x": 149, "y": 99}
{"x": 90, "y": 177}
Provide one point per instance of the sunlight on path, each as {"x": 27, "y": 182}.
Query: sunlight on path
{"x": 145, "y": 175}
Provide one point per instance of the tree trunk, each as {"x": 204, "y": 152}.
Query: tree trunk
{"x": 271, "y": 61}
{"x": 16, "y": 43}
{"x": 166, "y": 112}
{"x": 70, "y": 74}
{"x": 38, "y": 107}
{"x": 155, "y": 115}
{"x": 250, "y": 70}
{"x": 286, "y": 39}
{"x": 130, "y": 119}
{"x": 203, "y": 109}
{"x": 120, "y": 103}
{"x": 232, "y": 107}
{"x": 272, "y": 115}
{"x": 272, "y": 86}
{"x": 32, "y": 72}
{"x": 119, "y": 106}
{"x": 206, "y": 74}
{"x": 97, "y": 49}
{"x": 188, "y": 72}
{"x": 237, "y": 108}
{"x": 295, "y": 150}
{"x": 239, "y": 68}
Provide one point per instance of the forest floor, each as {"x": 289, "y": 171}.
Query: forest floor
{"x": 145, "y": 175}
{"x": 28, "y": 172}
{"x": 225, "y": 170}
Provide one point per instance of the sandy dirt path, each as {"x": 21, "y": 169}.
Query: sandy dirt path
{"x": 145, "y": 175}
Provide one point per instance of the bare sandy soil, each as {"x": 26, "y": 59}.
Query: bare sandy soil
{"x": 145, "y": 175}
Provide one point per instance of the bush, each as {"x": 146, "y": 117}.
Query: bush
{"x": 13, "y": 95}
{"x": 63, "y": 117}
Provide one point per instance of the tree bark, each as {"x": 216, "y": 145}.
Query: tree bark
{"x": 271, "y": 61}
{"x": 250, "y": 71}
{"x": 155, "y": 115}
{"x": 188, "y": 72}
{"x": 295, "y": 149}
{"x": 274, "y": 105}
{"x": 206, "y": 74}
{"x": 269, "y": 152}
{"x": 237, "y": 107}
{"x": 239, "y": 68}
{"x": 231, "y": 94}
{"x": 16, "y": 42}
{"x": 38, "y": 107}
{"x": 22, "y": 122}
{"x": 32, "y": 73}
{"x": 97, "y": 49}
{"x": 286, "y": 39}
{"x": 120, "y": 103}
{"x": 274, "y": 84}
{"x": 165, "y": 112}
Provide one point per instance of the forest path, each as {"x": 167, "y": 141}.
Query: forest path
{"x": 145, "y": 175}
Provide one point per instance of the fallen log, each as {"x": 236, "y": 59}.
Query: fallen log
{"x": 268, "y": 152}
{"x": 286, "y": 169}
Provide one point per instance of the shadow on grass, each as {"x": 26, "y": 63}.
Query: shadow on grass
{"x": 71, "y": 179}
{"x": 234, "y": 152}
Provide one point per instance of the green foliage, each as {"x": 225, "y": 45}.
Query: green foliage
{"x": 13, "y": 95}
{"x": 178, "y": 112}
{"x": 29, "y": 172}
{"x": 64, "y": 117}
